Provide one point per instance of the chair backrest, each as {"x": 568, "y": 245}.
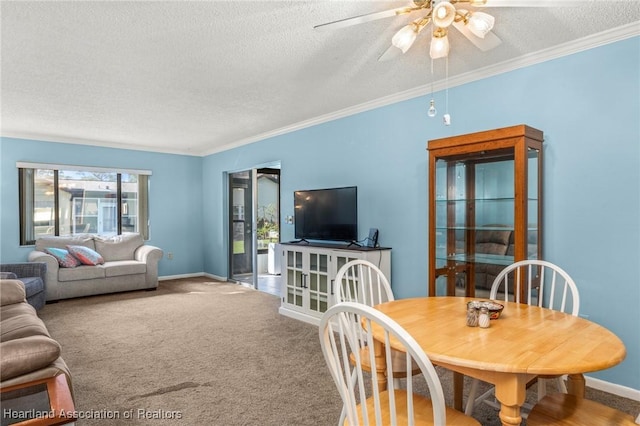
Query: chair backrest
{"x": 344, "y": 330}
{"x": 363, "y": 282}
{"x": 545, "y": 284}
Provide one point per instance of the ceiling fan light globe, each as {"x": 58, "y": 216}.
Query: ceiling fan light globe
{"x": 404, "y": 38}
{"x": 443, "y": 14}
{"x": 431, "y": 112}
{"x": 439, "y": 47}
{"x": 480, "y": 23}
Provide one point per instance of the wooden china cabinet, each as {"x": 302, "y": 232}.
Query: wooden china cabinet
{"x": 485, "y": 207}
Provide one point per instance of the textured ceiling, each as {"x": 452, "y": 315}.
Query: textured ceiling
{"x": 200, "y": 77}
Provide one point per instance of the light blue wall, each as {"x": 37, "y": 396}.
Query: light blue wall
{"x": 587, "y": 105}
{"x": 175, "y": 197}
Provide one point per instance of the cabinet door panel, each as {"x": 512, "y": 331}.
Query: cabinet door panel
{"x": 294, "y": 283}
{"x": 318, "y": 277}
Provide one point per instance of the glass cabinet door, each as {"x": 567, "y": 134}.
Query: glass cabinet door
{"x": 451, "y": 222}
{"x": 474, "y": 223}
{"x": 340, "y": 261}
{"x": 318, "y": 282}
{"x": 295, "y": 277}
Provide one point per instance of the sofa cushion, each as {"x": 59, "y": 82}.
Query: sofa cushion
{"x": 62, "y": 242}
{"x": 83, "y": 272}
{"x": 118, "y": 247}
{"x": 21, "y": 356}
{"x": 22, "y": 325}
{"x": 64, "y": 258}
{"x": 85, "y": 255}
{"x": 124, "y": 267}
{"x": 15, "y": 309}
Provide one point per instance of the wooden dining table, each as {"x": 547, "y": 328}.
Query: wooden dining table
{"x": 525, "y": 342}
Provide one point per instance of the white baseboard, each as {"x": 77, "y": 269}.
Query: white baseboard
{"x": 619, "y": 390}
{"x": 197, "y": 274}
{"x": 299, "y": 316}
{"x": 215, "y": 277}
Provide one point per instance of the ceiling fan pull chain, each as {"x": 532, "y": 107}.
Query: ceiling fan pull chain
{"x": 446, "y": 118}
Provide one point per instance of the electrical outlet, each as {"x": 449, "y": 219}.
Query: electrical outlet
{"x": 170, "y": 256}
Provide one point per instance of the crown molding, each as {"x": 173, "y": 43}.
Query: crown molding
{"x": 13, "y": 134}
{"x": 575, "y": 46}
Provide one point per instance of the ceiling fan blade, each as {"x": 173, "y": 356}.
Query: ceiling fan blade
{"x": 368, "y": 17}
{"x": 391, "y": 53}
{"x": 489, "y": 41}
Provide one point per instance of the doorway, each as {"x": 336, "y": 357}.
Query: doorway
{"x": 254, "y": 228}
{"x": 241, "y": 216}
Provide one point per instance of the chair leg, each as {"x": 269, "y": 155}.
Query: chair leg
{"x": 486, "y": 397}
{"x": 343, "y": 416}
{"x": 542, "y": 388}
{"x": 562, "y": 387}
{"x": 468, "y": 410}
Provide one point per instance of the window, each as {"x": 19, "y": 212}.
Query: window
{"x": 68, "y": 200}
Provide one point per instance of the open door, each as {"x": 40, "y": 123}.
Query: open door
{"x": 241, "y": 226}
{"x": 254, "y": 228}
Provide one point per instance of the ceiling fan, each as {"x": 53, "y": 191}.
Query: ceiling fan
{"x": 463, "y": 15}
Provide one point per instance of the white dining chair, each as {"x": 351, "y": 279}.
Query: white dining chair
{"x": 363, "y": 282}
{"x": 345, "y": 329}
{"x": 534, "y": 282}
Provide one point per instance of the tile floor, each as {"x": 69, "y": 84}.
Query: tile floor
{"x": 266, "y": 282}
{"x": 269, "y": 284}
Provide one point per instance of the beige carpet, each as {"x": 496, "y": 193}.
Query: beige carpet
{"x": 199, "y": 352}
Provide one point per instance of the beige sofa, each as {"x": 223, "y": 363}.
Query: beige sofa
{"x": 129, "y": 264}
{"x": 27, "y": 351}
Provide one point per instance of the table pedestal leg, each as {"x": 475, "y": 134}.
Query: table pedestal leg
{"x": 511, "y": 391}
{"x": 458, "y": 385}
{"x": 510, "y": 416}
{"x": 381, "y": 364}
{"x": 575, "y": 385}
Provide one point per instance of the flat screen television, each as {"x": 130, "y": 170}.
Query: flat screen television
{"x": 327, "y": 214}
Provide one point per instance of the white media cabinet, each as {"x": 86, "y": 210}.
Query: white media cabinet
{"x": 309, "y": 271}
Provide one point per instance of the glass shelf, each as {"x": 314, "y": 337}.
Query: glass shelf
{"x": 464, "y": 200}
{"x": 492, "y": 259}
{"x": 479, "y": 228}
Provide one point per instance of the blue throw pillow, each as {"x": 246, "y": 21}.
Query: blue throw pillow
{"x": 65, "y": 259}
